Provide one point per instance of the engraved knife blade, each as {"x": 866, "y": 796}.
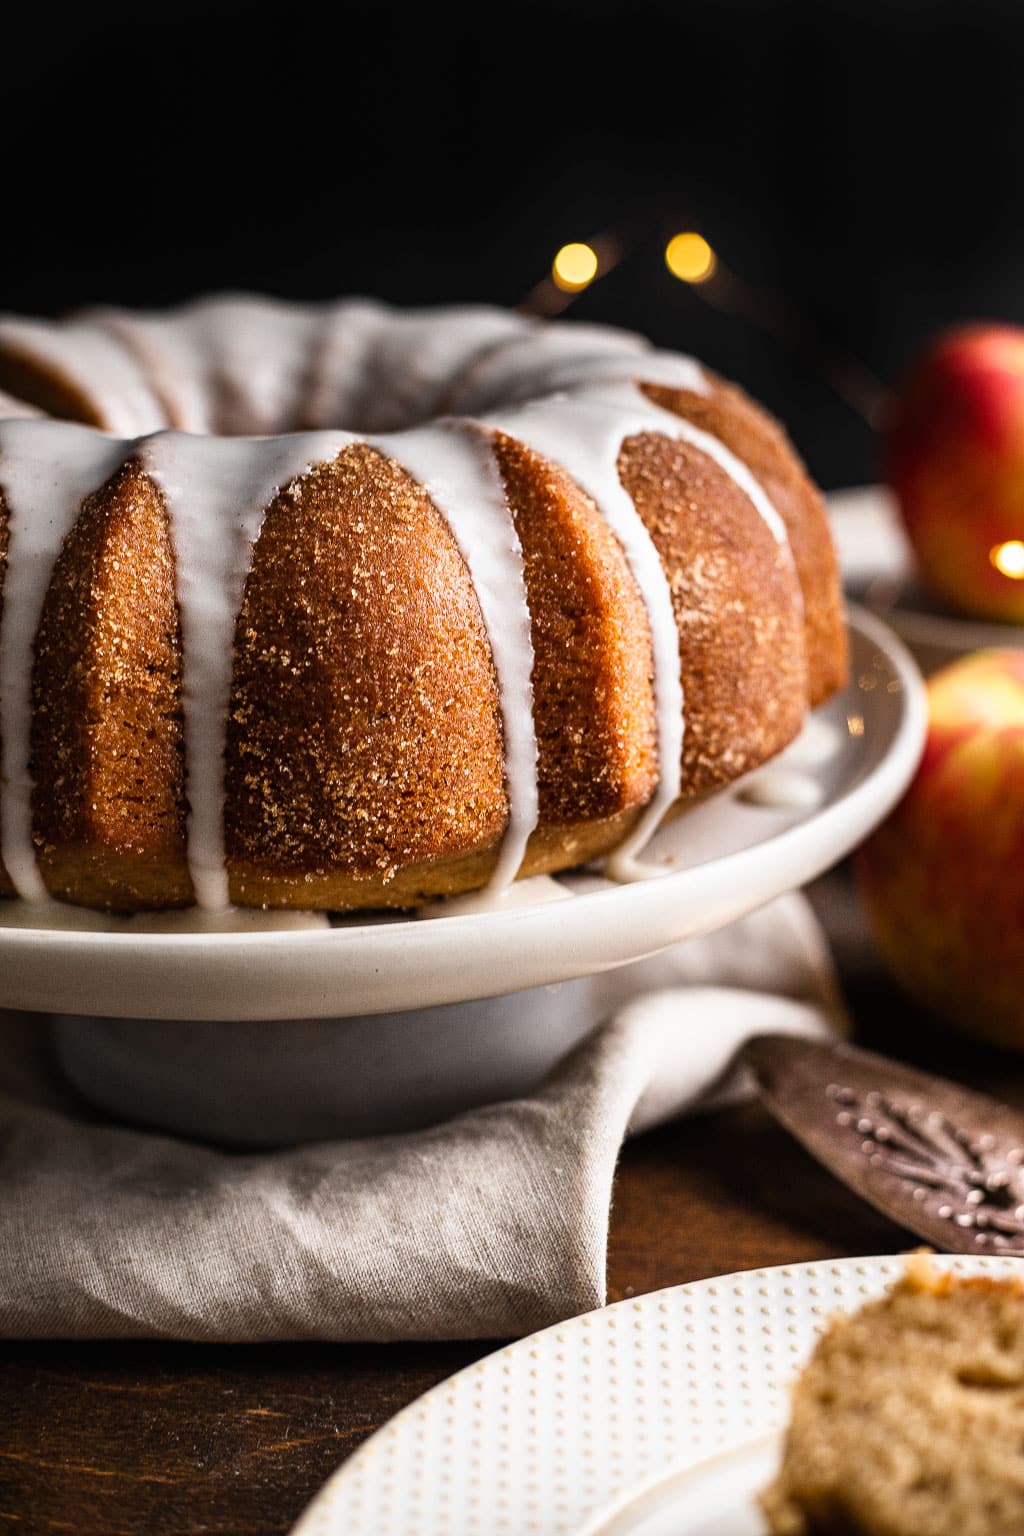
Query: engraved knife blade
{"x": 943, "y": 1161}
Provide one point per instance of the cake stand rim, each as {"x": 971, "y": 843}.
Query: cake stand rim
{"x": 463, "y": 957}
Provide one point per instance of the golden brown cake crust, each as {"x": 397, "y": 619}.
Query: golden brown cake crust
{"x": 392, "y": 773}
{"x": 359, "y": 701}
{"x": 592, "y": 670}
{"x": 754, "y": 436}
{"x": 107, "y": 735}
{"x": 737, "y": 605}
{"x": 364, "y": 732}
{"x": 365, "y": 761}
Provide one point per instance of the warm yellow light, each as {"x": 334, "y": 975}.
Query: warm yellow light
{"x": 574, "y": 267}
{"x": 690, "y": 258}
{"x": 1009, "y": 558}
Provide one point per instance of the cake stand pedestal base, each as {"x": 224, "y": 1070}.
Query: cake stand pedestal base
{"x": 273, "y": 1082}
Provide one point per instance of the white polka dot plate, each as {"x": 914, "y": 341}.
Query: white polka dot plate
{"x": 659, "y": 1416}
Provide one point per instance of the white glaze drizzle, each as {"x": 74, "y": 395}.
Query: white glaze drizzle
{"x": 739, "y": 473}
{"x": 781, "y": 788}
{"x": 235, "y": 361}
{"x": 545, "y": 358}
{"x": 584, "y": 431}
{"x": 229, "y": 364}
{"x": 568, "y": 369}
{"x": 671, "y": 425}
{"x": 217, "y": 491}
{"x": 380, "y": 370}
{"x": 818, "y": 742}
{"x": 95, "y": 365}
{"x": 417, "y": 353}
{"x": 162, "y": 349}
{"x": 455, "y": 464}
{"x": 256, "y": 355}
{"x": 336, "y": 378}
{"x": 47, "y": 469}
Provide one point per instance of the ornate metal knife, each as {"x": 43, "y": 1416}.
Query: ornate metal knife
{"x": 941, "y": 1160}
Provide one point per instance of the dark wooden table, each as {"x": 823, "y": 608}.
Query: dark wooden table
{"x": 174, "y": 1440}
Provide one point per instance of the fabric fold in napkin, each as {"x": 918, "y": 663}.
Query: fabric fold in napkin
{"x": 492, "y": 1224}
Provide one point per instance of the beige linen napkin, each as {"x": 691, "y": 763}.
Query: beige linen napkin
{"x": 493, "y": 1224}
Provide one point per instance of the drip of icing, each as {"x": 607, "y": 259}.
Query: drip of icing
{"x": 454, "y": 462}
{"x": 46, "y": 471}
{"x": 818, "y": 743}
{"x": 780, "y": 788}
{"x": 584, "y": 432}
{"x": 671, "y": 425}
{"x": 738, "y": 472}
{"x": 217, "y": 491}
{"x": 234, "y": 362}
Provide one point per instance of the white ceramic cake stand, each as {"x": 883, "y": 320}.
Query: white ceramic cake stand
{"x": 252, "y": 1034}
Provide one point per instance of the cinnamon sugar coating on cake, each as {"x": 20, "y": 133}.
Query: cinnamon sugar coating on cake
{"x": 368, "y": 760}
{"x": 364, "y": 732}
{"x": 737, "y": 605}
{"x": 593, "y": 669}
{"x": 756, "y": 438}
{"x": 107, "y": 738}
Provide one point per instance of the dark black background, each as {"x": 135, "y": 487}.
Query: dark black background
{"x": 861, "y": 160}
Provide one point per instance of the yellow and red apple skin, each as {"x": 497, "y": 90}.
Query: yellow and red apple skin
{"x": 943, "y": 878}
{"x": 954, "y": 457}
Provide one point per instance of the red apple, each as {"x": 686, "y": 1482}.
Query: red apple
{"x": 943, "y": 877}
{"x": 955, "y": 460}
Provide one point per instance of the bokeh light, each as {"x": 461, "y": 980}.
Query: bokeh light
{"x": 574, "y": 267}
{"x": 1008, "y": 558}
{"x": 689, "y": 257}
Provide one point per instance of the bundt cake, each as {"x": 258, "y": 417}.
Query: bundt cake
{"x": 428, "y": 625}
{"x": 909, "y": 1418}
